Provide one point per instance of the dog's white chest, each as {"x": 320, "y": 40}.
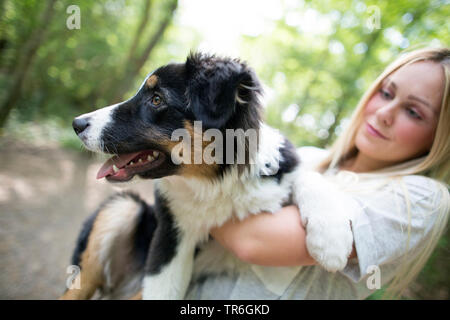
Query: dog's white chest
{"x": 199, "y": 205}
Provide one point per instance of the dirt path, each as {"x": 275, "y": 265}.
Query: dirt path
{"x": 45, "y": 195}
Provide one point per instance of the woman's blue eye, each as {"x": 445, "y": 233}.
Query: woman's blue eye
{"x": 413, "y": 113}
{"x": 385, "y": 94}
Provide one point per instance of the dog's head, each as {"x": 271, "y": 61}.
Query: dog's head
{"x": 219, "y": 93}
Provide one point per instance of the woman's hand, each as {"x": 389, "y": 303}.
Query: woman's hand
{"x": 268, "y": 239}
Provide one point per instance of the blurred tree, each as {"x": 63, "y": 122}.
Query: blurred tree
{"x": 24, "y": 61}
{"x": 47, "y": 69}
{"x": 135, "y": 60}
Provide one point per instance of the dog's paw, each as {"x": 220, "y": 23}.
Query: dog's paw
{"x": 326, "y": 214}
{"x": 329, "y": 242}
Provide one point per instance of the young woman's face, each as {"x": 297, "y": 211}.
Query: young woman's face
{"x": 400, "y": 119}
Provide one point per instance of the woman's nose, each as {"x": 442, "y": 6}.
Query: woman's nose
{"x": 386, "y": 114}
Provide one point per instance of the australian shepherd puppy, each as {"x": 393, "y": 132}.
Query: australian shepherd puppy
{"x": 128, "y": 247}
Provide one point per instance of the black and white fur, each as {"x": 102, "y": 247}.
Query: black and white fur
{"x": 127, "y": 244}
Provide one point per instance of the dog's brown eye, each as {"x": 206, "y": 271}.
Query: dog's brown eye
{"x": 156, "y": 100}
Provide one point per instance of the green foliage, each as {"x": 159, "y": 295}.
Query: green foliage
{"x": 318, "y": 57}
{"x": 75, "y": 71}
{"x": 322, "y": 56}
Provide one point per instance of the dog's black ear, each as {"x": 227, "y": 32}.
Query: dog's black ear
{"x": 217, "y": 87}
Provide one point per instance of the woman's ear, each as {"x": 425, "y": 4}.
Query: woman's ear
{"x": 216, "y": 87}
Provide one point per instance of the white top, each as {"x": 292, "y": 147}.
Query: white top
{"x": 380, "y": 231}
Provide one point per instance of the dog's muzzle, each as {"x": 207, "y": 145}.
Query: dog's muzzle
{"x": 89, "y": 127}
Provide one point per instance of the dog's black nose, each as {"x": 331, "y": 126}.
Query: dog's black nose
{"x": 80, "y": 124}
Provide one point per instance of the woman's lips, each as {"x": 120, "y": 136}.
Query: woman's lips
{"x": 372, "y": 131}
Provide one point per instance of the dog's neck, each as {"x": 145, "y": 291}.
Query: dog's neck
{"x": 235, "y": 193}
{"x": 265, "y": 163}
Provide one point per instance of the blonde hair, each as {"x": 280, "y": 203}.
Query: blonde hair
{"x": 435, "y": 164}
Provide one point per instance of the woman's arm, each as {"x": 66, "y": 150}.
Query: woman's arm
{"x": 267, "y": 239}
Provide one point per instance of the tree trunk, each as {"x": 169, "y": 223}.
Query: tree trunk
{"x": 140, "y": 30}
{"x": 134, "y": 64}
{"x": 24, "y": 63}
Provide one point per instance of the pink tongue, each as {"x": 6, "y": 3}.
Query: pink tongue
{"x": 119, "y": 161}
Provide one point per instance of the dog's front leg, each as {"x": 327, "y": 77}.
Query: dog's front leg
{"x": 168, "y": 277}
{"x": 326, "y": 214}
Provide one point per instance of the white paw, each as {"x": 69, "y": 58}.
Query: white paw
{"x": 329, "y": 241}
{"x": 326, "y": 213}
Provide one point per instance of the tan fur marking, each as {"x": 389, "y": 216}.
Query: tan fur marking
{"x": 137, "y": 296}
{"x": 91, "y": 270}
{"x": 107, "y": 225}
{"x": 198, "y": 170}
{"x": 151, "y": 81}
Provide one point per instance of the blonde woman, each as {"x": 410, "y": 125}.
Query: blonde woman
{"x": 393, "y": 160}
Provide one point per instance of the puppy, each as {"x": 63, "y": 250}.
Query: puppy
{"x": 165, "y": 133}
